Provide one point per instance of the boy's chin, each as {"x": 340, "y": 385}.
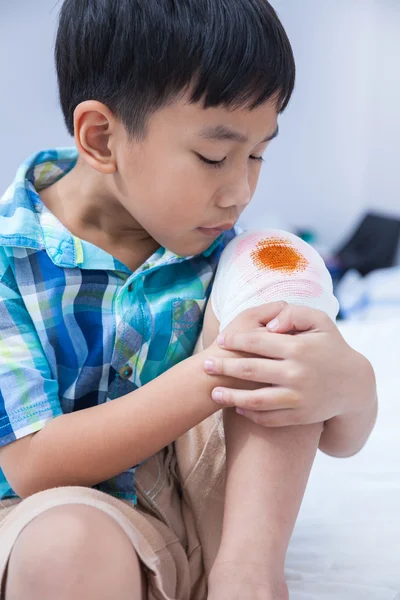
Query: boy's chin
{"x": 191, "y": 247}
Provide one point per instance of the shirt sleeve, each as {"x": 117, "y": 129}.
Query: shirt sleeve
{"x": 28, "y": 392}
{"x": 268, "y": 265}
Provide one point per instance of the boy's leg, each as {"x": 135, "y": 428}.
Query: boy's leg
{"x": 267, "y": 472}
{"x": 74, "y": 551}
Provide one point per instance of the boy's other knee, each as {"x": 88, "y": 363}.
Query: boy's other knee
{"x": 73, "y": 548}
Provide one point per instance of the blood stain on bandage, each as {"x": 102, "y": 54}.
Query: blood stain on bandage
{"x": 278, "y": 254}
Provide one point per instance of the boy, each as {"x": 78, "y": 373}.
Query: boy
{"x": 106, "y": 263}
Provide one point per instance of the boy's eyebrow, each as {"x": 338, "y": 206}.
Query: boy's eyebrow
{"x": 222, "y": 132}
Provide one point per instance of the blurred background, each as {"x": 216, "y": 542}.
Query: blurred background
{"x": 336, "y": 158}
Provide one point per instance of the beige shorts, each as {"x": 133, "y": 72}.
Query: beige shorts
{"x": 175, "y": 527}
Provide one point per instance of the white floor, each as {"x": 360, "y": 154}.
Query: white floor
{"x": 346, "y": 545}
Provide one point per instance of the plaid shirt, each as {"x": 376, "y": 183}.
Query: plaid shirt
{"x": 77, "y": 327}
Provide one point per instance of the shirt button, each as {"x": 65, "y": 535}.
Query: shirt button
{"x": 126, "y": 372}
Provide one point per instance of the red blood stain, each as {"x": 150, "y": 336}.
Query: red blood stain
{"x": 278, "y": 254}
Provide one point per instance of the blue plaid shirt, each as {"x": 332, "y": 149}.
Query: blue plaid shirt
{"x": 77, "y": 327}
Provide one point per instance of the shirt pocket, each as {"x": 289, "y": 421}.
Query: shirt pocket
{"x": 186, "y": 324}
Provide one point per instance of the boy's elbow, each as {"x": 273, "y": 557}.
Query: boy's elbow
{"x": 17, "y": 467}
{"x": 340, "y": 448}
{"x": 19, "y": 481}
{"x": 23, "y": 488}
{"x": 340, "y": 452}
{"x": 26, "y": 483}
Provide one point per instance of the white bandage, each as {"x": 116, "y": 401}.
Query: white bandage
{"x": 267, "y": 265}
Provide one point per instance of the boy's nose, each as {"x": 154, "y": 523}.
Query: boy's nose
{"x": 237, "y": 194}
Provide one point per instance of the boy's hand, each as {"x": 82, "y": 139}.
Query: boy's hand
{"x": 306, "y": 378}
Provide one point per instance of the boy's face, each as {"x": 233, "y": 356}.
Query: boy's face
{"x": 165, "y": 181}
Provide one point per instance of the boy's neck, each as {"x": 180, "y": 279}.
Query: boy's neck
{"x": 84, "y": 203}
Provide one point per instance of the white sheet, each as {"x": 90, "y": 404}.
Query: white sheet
{"x": 346, "y": 545}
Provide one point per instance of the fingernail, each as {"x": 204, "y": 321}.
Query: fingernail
{"x": 221, "y": 340}
{"x": 273, "y": 326}
{"x": 218, "y": 396}
{"x": 240, "y": 411}
{"x": 209, "y": 366}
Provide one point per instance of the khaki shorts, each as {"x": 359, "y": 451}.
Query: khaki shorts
{"x": 175, "y": 527}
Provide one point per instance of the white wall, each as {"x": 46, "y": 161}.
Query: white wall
{"x": 384, "y": 117}
{"x": 337, "y": 154}
{"x": 30, "y": 115}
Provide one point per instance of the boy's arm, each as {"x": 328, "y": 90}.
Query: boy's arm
{"x": 89, "y": 446}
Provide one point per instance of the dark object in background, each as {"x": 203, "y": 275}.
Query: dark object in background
{"x": 373, "y": 245}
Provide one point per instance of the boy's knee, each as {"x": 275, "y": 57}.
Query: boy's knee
{"x": 266, "y": 265}
{"x": 66, "y": 545}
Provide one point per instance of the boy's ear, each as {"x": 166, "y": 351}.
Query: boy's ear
{"x": 94, "y": 125}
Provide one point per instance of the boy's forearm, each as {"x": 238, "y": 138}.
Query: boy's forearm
{"x": 267, "y": 473}
{"x": 346, "y": 435}
{"x": 90, "y": 446}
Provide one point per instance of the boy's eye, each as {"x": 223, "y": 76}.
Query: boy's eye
{"x": 219, "y": 163}
{"x": 211, "y": 163}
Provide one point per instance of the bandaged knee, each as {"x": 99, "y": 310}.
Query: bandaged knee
{"x": 264, "y": 266}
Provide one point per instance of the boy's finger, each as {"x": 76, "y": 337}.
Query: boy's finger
{"x": 257, "y": 370}
{"x": 260, "y": 343}
{"x": 300, "y": 318}
{"x": 261, "y": 400}
{"x": 265, "y": 313}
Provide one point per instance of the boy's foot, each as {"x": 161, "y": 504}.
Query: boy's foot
{"x": 245, "y": 582}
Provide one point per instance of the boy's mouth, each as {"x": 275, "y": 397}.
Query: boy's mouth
{"x": 215, "y": 231}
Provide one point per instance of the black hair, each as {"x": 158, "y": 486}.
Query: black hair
{"x": 135, "y": 56}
